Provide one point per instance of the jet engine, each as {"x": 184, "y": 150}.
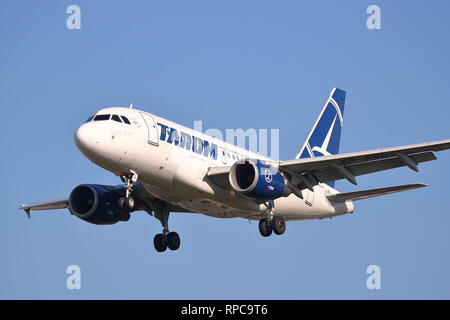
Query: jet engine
{"x": 97, "y": 204}
{"x": 258, "y": 180}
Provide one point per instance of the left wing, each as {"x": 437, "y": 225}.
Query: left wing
{"x": 310, "y": 171}
{"x": 307, "y": 172}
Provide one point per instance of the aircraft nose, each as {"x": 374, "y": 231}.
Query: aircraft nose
{"x": 84, "y": 138}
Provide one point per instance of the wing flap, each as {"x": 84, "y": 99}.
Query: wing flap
{"x": 369, "y": 193}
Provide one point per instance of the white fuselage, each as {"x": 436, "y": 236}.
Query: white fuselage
{"x": 161, "y": 152}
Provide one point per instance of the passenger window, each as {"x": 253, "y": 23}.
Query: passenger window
{"x": 115, "y": 117}
{"x": 125, "y": 120}
{"x": 102, "y": 117}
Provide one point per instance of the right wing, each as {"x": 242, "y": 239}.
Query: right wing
{"x": 58, "y": 204}
{"x": 140, "y": 192}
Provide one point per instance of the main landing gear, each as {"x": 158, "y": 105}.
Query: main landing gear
{"x": 275, "y": 224}
{"x": 166, "y": 239}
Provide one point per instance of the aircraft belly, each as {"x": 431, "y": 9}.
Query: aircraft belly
{"x": 206, "y": 203}
{"x": 214, "y": 208}
{"x": 295, "y": 208}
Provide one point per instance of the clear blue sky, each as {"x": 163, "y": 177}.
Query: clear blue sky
{"x": 232, "y": 64}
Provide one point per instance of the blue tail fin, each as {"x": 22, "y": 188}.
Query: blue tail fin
{"x": 325, "y": 135}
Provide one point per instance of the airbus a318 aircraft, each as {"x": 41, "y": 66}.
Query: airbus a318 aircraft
{"x": 166, "y": 167}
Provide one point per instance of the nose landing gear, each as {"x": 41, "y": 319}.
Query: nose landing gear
{"x": 128, "y": 203}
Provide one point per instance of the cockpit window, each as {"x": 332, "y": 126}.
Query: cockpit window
{"x": 115, "y": 117}
{"x": 125, "y": 119}
{"x": 90, "y": 118}
{"x": 101, "y": 117}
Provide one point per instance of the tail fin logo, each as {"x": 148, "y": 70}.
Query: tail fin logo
{"x": 323, "y": 148}
{"x": 325, "y": 135}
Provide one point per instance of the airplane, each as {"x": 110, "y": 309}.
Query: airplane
{"x": 166, "y": 167}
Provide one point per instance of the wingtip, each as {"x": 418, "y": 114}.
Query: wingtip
{"x": 421, "y": 185}
{"x": 27, "y": 210}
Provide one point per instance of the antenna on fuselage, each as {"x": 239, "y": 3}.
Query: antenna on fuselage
{"x": 131, "y": 106}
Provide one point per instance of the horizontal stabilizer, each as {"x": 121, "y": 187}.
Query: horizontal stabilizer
{"x": 369, "y": 193}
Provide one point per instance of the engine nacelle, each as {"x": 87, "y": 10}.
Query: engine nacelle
{"x": 95, "y": 204}
{"x": 257, "y": 180}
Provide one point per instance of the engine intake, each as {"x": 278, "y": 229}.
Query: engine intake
{"x": 95, "y": 204}
{"x": 257, "y": 180}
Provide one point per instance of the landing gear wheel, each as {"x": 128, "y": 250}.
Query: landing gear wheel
{"x": 121, "y": 203}
{"x": 128, "y": 179}
{"x": 173, "y": 240}
{"x": 160, "y": 242}
{"x": 265, "y": 228}
{"x": 278, "y": 225}
{"x": 161, "y": 211}
{"x": 130, "y": 203}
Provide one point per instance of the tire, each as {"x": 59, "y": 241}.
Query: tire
{"x": 121, "y": 203}
{"x": 278, "y": 225}
{"x": 265, "y": 228}
{"x": 130, "y": 203}
{"x": 173, "y": 240}
{"x": 160, "y": 242}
